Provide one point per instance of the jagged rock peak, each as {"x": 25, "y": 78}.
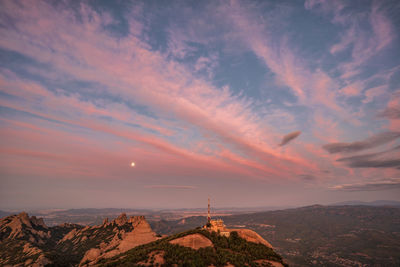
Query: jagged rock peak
{"x": 22, "y": 227}
{"x": 23, "y": 215}
{"x": 135, "y": 220}
{"x": 24, "y": 218}
{"x": 121, "y": 219}
{"x": 68, "y": 225}
{"x": 38, "y": 221}
{"x": 136, "y": 231}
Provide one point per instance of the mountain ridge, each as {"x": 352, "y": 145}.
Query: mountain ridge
{"x": 319, "y": 235}
{"x": 29, "y": 241}
{"x": 368, "y": 203}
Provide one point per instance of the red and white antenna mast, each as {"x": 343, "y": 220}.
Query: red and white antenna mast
{"x": 208, "y": 214}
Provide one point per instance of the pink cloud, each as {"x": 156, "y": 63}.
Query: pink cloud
{"x": 394, "y": 103}
{"x": 372, "y": 93}
{"x": 312, "y": 87}
{"x": 382, "y": 27}
{"x": 363, "y": 43}
{"x": 326, "y": 128}
{"x": 163, "y": 186}
{"x": 351, "y": 90}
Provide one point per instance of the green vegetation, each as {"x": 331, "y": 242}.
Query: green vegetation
{"x": 308, "y": 236}
{"x": 233, "y": 249}
{"x": 320, "y": 235}
{"x": 73, "y": 250}
{"x": 11, "y": 252}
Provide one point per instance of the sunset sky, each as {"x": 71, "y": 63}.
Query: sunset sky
{"x": 253, "y": 103}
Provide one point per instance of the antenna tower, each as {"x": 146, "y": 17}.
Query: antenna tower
{"x": 208, "y": 214}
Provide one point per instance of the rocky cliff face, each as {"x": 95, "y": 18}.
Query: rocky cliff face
{"x": 200, "y": 247}
{"x": 24, "y": 239}
{"x": 251, "y": 236}
{"x": 22, "y": 226}
{"x": 28, "y": 241}
{"x": 126, "y": 234}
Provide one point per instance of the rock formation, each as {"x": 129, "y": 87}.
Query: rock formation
{"x": 128, "y": 233}
{"x": 247, "y": 234}
{"x": 194, "y": 241}
{"x": 23, "y": 236}
{"x": 251, "y": 236}
{"x": 29, "y": 241}
{"x": 201, "y": 247}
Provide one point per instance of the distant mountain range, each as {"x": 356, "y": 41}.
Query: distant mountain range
{"x": 93, "y": 216}
{"x": 4, "y": 213}
{"x": 372, "y": 203}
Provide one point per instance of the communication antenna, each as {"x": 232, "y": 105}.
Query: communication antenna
{"x": 208, "y": 214}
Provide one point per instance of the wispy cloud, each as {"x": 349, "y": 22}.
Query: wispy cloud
{"x": 384, "y": 159}
{"x": 363, "y": 43}
{"x": 370, "y": 186}
{"x": 163, "y": 186}
{"x": 289, "y": 137}
{"x": 371, "y": 142}
{"x": 311, "y": 87}
{"x": 391, "y": 113}
{"x": 361, "y": 162}
{"x": 307, "y": 177}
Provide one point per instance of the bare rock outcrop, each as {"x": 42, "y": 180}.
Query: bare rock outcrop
{"x": 121, "y": 219}
{"x": 21, "y": 226}
{"x": 24, "y": 237}
{"x": 141, "y": 234}
{"x": 128, "y": 233}
{"x": 251, "y": 236}
{"x": 194, "y": 241}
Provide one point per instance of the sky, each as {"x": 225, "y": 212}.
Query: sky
{"x": 250, "y": 103}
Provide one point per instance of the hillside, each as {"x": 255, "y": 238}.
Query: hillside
{"x": 198, "y": 247}
{"x": 319, "y": 235}
{"x": 25, "y": 239}
{"x": 28, "y": 241}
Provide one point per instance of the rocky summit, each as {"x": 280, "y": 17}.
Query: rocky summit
{"x": 126, "y": 234}
{"x": 23, "y": 239}
{"x": 28, "y": 241}
{"x": 198, "y": 247}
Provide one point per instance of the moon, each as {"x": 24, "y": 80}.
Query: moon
{"x": 132, "y": 164}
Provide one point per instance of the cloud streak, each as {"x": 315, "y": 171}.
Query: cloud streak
{"x": 163, "y": 186}
{"x": 391, "y": 113}
{"x": 384, "y": 159}
{"x": 371, "y": 142}
{"x": 289, "y": 137}
{"x": 371, "y": 186}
